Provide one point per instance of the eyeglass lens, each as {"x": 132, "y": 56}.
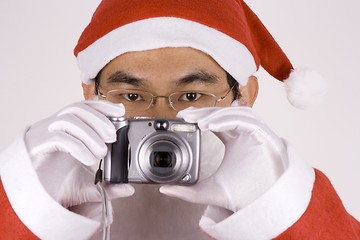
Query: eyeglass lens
{"x": 137, "y": 100}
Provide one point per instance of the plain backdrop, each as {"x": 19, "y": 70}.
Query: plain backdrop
{"x": 39, "y": 75}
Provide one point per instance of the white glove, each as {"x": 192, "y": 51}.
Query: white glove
{"x": 66, "y": 150}
{"x": 254, "y": 159}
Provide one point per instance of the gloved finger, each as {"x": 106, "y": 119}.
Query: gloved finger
{"x": 93, "y": 113}
{"x": 232, "y": 128}
{"x": 76, "y": 128}
{"x": 216, "y": 119}
{"x": 204, "y": 116}
{"x": 221, "y": 119}
{"x": 64, "y": 143}
{"x": 107, "y": 108}
{"x": 228, "y": 123}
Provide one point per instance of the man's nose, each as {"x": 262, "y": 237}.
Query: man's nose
{"x": 161, "y": 109}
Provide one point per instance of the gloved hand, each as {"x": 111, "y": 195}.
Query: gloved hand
{"x": 254, "y": 158}
{"x": 66, "y": 149}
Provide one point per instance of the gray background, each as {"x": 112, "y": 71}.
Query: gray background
{"x": 39, "y": 75}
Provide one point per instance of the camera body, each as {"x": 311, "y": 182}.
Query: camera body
{"x": 152, "y": 150}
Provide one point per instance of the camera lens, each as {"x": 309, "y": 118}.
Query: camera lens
{"x": 163, "y": 159}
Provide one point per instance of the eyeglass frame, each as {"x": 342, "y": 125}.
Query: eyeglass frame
{"x": 170, "y": 103}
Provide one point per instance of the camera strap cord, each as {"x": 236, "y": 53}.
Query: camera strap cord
{"x": 106, "y": 208}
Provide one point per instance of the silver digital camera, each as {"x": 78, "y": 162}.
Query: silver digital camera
{"x": 151, "y": 150}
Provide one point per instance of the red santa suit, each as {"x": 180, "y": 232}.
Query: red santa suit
{"x": 301, "y": 204}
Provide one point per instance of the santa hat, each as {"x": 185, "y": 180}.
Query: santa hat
{"x": 226, "y": 30}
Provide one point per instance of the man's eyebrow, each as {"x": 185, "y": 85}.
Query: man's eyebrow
{"x": 123, "y": 77}
{"x": 199, "y": 76}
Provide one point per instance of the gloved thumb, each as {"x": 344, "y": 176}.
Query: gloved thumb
{"x": 119, "y": 190}
{"x": 193, "y": 114}
{"x": 185, "y": 193}
{"x": 205, "y": 192}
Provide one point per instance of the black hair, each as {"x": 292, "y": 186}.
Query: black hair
{"x": 233, "y": 83}
{"x": 97, "y": 82}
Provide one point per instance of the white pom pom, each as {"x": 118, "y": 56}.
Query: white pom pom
{"x": 305, "y": 88}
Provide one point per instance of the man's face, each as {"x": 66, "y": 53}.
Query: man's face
{"x": 162, "y": 72}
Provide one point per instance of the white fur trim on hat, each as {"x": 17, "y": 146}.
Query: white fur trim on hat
{"x": 305, "y": 88}
{"x": 162, "y": 32}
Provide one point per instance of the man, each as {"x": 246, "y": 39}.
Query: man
{"x": 161, "y": 57}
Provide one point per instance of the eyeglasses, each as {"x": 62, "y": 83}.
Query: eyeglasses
{"x": 136, "y": 100}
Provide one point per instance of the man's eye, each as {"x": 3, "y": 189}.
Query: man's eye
{"x": 190, "y": 96}
{"x": 132, "y": 97}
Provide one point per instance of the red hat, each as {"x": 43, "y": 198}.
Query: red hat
{"x": 226, "y": 30}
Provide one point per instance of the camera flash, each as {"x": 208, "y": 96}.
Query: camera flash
{"x": 183, "y": 127}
